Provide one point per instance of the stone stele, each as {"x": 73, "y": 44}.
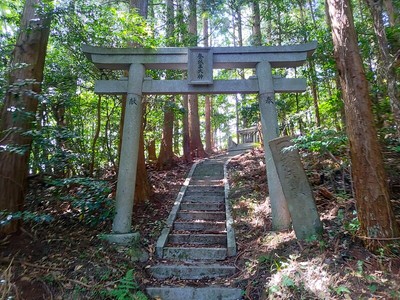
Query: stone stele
{"x": 296, "y": 188}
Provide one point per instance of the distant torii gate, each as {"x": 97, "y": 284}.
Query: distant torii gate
{"x": 199, "y": 63}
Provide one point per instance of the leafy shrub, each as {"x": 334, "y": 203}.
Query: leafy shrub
{"x": 323, "y": 140}
{"x": 89, "y": 197}
{"x": 6, "y": 217}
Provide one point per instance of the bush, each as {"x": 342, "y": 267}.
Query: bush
{"x": 322, "y": 141}
{"x": 89, "y": 197}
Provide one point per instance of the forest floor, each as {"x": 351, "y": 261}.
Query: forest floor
{"x": 66, "y": 258}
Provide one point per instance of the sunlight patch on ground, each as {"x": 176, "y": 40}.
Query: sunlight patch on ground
{"x": 306, "y": 278}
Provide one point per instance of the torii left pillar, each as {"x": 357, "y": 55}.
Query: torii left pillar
{"x": 121, "y": 229}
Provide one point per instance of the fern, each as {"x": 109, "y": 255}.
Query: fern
{"x": 128, "y": 288}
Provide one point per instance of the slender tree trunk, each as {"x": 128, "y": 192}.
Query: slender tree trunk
{"x": 237, "y": 22}
{"x": 39, "y": 153}
{"x": 239, "y": 25}
{"x": 151, "y": 151}
{"x": 339, "y": 95}
{"x": 176, "y": 138}
{"x": 196, "y": 145}
{"x": 30, "y": 53}
{"x": 391, "y": 11}
{"x": 107, "y": 137}
{"x": 185, "y": 100}
{"x": 312, "y": 13}
{"x": 186, "y": 135}
{"x": 374, "y": 209}
{"x": 141, "y": 6}
{"x": 256, "y": 28}
{"x": 312, "y": 74}
{"x": 143, "y": 190}
{"x": 268, "y": 33}
{"x": 388, "y": 68}
{"x": 166, "y": 156}
{"x": 208, "y": 99}
{"x": 96, "y": 136}
{"x": 209, "y": 146}
{"x": 279, "y": 38}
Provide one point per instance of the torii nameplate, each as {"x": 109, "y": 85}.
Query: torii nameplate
{"x": 200, "y": 66}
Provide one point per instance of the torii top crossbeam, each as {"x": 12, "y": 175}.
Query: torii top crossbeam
{"x": 199, "y": 62}
{"x": 177, "y": 58}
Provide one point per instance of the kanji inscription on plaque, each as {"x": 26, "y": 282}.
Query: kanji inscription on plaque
{"x": 200, "y": 66}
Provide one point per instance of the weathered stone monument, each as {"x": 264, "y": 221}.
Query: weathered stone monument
{"x": 296, "y": 189}
{"x": 199, "y": 63}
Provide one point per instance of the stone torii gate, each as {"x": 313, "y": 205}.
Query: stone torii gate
{"x": 199, "y": 63}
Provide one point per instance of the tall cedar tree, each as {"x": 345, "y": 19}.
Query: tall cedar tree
{"x": 19, "y": 109}
{"x": 166, "y": 157}
{"x": 377, "y": 220}
{"x": 143, "y": 189}
{"x": 196, "y": 145}
{"x": 208, "y": 99}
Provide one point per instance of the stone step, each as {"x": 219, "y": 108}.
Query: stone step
{"x": 208, "y": 177}
{"x": 209, "y": 206}
{"x": 205, "y": 193}
{"x": 203, "y": 198}
{"x": 207, "y": 182}
{"x": 209, "y": 168}
{"x": 199, "y": 215}
{"x": 201, "y": 226}
{"x": 188, "y": 271}
{"x": 207, "y": 174}
{"x": 200, "y": 239}
{"x": 183, "y": 253}
{"x": 205, "y": 189}
{"x": 194, "y": 293}
{"x": 214, "y": 161}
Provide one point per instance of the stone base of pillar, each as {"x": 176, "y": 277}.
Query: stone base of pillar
{"x": 130, "y": 243}
{"x": 121, "y": 238}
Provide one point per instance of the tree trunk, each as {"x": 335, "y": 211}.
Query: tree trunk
{"x": 185, "y": 100}
{"x": 374, "y": 209}
{"x": 388, "y": 68}
{"x": 208, "y": 137}
{"x": 391, "y": 11}
{"x": 96, "y": 137}
{"x": 312, "y": 73}
{"x": 151, "y": 151}
{"x": 30, "y": 53}
{"x": 196, "y": 145}
{"x": 186, "y": 137}
{"x": 209, "y": 147}
{"x": 314, "y": 91}
{"x": 141, "y": 6}
{"x": 339, "y": 95}
{"x": 177, "y": 136}
{"x": 166, "y": 156}
{"x": 143, "y": 189}
{"x": 256, "y": 28}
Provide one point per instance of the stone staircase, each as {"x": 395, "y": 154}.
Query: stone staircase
{"x": 198, "y": 239}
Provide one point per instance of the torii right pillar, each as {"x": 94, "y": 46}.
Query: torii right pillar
{"x": 269, "y": 120}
